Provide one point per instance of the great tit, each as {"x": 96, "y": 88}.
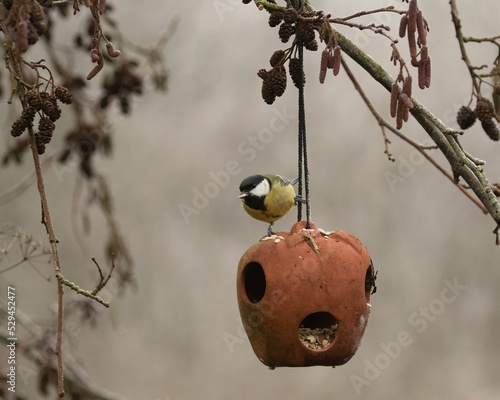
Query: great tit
{"x": 267, "y": 197}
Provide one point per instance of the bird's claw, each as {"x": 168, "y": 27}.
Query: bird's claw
{"x": 299, "y": 199}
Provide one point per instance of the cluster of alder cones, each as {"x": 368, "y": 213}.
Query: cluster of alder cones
{"x": 484, "y": 112}
{"x": 45, "y": 105}
{"x": 304, "y": 27}
{"x": 274, "y": 80}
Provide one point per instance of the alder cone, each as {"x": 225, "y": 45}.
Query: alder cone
{"x": 278, "y": 80}
{"x": 484, "y": 109}
{"x": 285, "y": 32}
{"x": 466, "y": 117}
{"x": 276, "y": 57}
{"x": 296, "y": 73}
{"x": 491, "y": 129}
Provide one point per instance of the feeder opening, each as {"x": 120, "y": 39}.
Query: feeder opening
{"x": 255, "y": 282}
{"x": 370, "y": 278}
{"x": 317, "y": 330}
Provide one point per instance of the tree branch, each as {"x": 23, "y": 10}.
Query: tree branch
{"x": 443, "y": 136}
{"x": 47, "y": 221}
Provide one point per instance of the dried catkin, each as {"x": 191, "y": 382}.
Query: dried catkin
{"x": 403, "y": 25}
{"x": 337, "y": 59}
{"x": 330, "y": 60}
{"x": 400, "y": 115}
{"x": 407, "y": 86}
{"x": 427, "y": 75}
{"x": 412, "y": 16}
{"x": 412, "y": 45}
{"x": 421, "y": 74}
{"x": 406, "y": 100}
{"x": 325, "y": 55}
{"x": 394, "y": 99}
{"x": 422, "y": 32}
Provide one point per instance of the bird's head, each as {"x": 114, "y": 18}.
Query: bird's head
{"x": 255, "y": 186}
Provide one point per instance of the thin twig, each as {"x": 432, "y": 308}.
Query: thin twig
{"x": 460, "y": 38}
{"x": 47, "y": 221}
{"x": 493, "y": 39}
{"x": 378, "y": 10}
{"x": 90, "y": 294}
{"x": 104, "y": 280}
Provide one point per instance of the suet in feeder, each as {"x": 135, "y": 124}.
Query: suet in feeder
{"x": 304, "y": 298}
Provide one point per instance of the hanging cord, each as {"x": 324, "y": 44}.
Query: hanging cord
{"x": 303, "y": 168}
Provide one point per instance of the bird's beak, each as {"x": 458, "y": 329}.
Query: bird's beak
{"x": 242, "y": 195}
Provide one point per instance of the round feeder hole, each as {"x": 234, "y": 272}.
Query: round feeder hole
{"x": 255, "y": 282}
{"x": 317, "y": 330}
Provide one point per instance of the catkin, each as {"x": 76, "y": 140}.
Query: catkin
{"x": 407, "y": 86}
{"x": 412, "y": 44}
{"x": 400, "y": 115}
{"x": 403, "y": 25}
{"x": 337, "y": 59}
{"x": 412, "y": 16}
{"x": 422, "y": 32}
{"x": 427, "y": 73}
{"x": 325, "y": 55}
{"x": 405, "y": 100}
{"x": 394, "y": 99}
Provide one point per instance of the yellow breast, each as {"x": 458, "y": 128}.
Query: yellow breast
{"x": 277, "y": 204}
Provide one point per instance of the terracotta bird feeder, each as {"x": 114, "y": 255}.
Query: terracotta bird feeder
{"x": 304, "y": 296}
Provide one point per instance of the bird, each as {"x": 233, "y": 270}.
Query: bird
{"x": 268, "y": 197}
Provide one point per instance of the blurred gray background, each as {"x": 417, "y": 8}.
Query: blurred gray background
{"x": 178, "y": 336}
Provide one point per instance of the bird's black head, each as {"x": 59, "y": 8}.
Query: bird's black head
{"x": 253, "y": 191}
{"x": 251, "y": 182}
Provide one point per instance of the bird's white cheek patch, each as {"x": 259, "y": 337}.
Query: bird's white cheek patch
{"x": 262, "y": 189}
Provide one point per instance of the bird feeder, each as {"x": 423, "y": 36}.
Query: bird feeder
{"x": 304, "y": 296}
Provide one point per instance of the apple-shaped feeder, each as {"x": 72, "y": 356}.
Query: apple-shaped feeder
{"x": 304, "y": 296}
